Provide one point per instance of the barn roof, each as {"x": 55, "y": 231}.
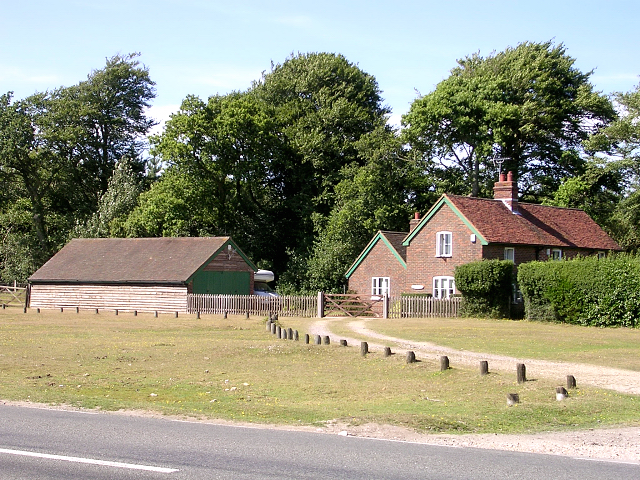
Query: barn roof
{"x": 167, "y": 260}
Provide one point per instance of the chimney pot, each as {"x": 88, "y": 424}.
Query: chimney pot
{"x": 503, "y": 178}
{"x": 416, "y": 215}
{"x": 510, "y": 177}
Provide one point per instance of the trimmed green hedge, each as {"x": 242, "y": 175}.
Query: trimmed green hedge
{"x": 486, "y": 287}
{"x": 585, "y": 291}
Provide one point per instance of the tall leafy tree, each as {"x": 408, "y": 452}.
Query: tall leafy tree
{"x": 529, "y": 104}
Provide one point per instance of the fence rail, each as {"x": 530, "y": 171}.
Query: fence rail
{"x": 307, "y": 306}
{"x": 424, "y": 307}
{"x": 285, "y": 306}
{"x": 15, "y": 295}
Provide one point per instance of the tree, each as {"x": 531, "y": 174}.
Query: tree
{"x": 529, "y": 104}
{"x": 58, "y": 150}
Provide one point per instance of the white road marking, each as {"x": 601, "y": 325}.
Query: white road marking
{"x": 90, "y": 461}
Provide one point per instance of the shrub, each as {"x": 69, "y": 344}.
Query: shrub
{"x": 585, "y": 291}
{"x": 486, "y": 287}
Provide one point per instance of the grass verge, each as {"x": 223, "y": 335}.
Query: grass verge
{"x": 233, "y": 369}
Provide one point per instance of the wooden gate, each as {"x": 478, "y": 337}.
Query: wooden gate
{"x": 350, "y": 305}
{"x": 14, "y": 295}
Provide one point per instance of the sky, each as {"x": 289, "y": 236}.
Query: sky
{"x": 203, "y": 48}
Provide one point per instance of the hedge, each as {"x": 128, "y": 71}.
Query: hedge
{"x": 486, "y": 287}
{"x": 585, "y": 291}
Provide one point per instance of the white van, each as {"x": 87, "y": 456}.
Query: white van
{"x": 261, "y": 285}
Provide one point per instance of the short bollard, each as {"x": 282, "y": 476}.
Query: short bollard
{"x": 273, "y": 328}
{"x": 484, "y": 367}
{"x": 387, "y": 351}
{"x": 521, "y": 372}
{"x": 364, "y": 348}
{"x": 571, "y": 382}
{"x": 37, "y": 310}
{"x": 411, "y": 357}
{"x": 268, "y": 325}
{"x": 306, "y": 338}
{"x": 343, "y": 343}
{"x": 318, "y": 340}
{"x": 155, "y": 314}
{"x": 326, "y": 340}
{"x": 135, "y": 313}
{"x": 198, "y": 315}
{"x": 290, "y": 334}
{"x": 61, "y": 310}
{"x": 246, "y": 315}
{"x": 97, "y": 311}
{"x": 224, "y": 315}
{"x": 116, "y": 312}
{"x": 278, "y": 331}
{"x": 176, "y": 315}
{"x": 283, "y": 334}
{"x": 512, "y": 399}
{"x": 444, "y": 363}
{"x": 296, "y": 337}
{"x": 77, "y": 309}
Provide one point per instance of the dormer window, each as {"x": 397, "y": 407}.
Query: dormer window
{"x": 443, "y": 244}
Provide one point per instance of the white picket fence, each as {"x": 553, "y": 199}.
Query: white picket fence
{"x": 285, "y": 305}
{"x": 307, "y": 306}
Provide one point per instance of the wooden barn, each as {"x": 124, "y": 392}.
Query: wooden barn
{"x": 143, "y": 274}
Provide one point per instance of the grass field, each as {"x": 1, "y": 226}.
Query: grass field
{"x": 233, "y": 369}
{"x": 610, "y": 347}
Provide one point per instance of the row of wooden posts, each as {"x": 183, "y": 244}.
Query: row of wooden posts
{"x": 117, "y": 312}
{"x": 512, "y": 398}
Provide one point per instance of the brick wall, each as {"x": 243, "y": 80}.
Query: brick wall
{"x": 380, "y": 262}
{"x": 422, "y": 263}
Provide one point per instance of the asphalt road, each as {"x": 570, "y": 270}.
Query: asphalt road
{"x": 54, "y": 444}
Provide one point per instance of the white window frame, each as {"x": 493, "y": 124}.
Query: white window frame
{"x": 601, "y": 254}
{"x": 444, "y": 287}
{"x": 380, "y": 286}
{"x": 556, "y": 254}
{"x": 510, "y": 254}
{"x": 444, "y": 248}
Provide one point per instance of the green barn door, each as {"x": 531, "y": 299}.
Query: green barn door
{"x": 222, "y": 283}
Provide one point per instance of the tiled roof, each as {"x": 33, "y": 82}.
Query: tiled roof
{"x": 395, "y": 239}
{"x": 170, "y": 260}
{"x": 533, "y": 225}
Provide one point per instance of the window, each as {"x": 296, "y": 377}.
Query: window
{"x": 443, "y": 287}
{"x": 556, "y": 254}
{"x": 602, "y": 255}
{"x": 510, "y": 254}
{"x": 443, "y": 244}
{"x": 380, "y": 286}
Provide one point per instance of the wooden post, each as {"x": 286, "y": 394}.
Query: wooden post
{"x": 156, "y": 313}
{"x": 571, "y": 381}
{"x": 278, "y": 331}
{"x": 37, "y": 310}
{"x": 318, "y": 340}
{"x": 290, "y": 334}
{"x": 385, "y": 306}
{"x": 484, "y": 367}
{"x": 61, "y": 310}
{"x": 387, "y": 351}
{"x": 176, "y": 315}
{"x": 4, "y": 306}
{"x": 343, "y": 343}
{"x": 521, "y": 371}
{"x": 444, "y": 363}
{"x": 273, "y": 328}
{"x": 283, "y": 334}
{"x": 411, "y": 357}
{"x": 97, "y": 311}
{"x": 306, "y": 339}
{"x": 246, "y": 315}
{"x": 268, "y": 325}
{"x": 116, "y": 312}
{"x": 326, "y": 340}
{"x": 512, "y": 399}
{"x": 198, "y": 315}
{"x": 320, "y": 305}
{"x": 77, "y": 309}
{"x": 224, "y": 315}
{"x": 364, "y": 348}
{"x": 295, "y": 335}
{"x": 135, "y": 313}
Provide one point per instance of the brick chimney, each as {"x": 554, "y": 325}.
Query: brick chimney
{"x": 413, "y": 223}
{"x": 507, "y": 191}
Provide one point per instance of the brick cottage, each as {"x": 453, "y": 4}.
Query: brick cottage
{"x": 458, "y": 230}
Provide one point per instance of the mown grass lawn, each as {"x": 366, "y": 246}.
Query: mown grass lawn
{"x": 233, "y": 369}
